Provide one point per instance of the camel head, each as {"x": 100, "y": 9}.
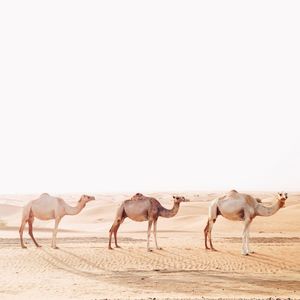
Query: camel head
{"x": 85, "y": 199}
{"x": 281, "y": 197}
{"x": 178, "y": 199}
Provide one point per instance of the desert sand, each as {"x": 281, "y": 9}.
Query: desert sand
{"x": 83, "y": 267}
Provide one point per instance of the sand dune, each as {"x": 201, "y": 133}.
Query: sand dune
{"x": 83, "y": 267}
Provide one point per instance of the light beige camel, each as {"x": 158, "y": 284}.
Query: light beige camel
{"x": 47, "y": 207}
{"x": 240, "y": 207}
{"x": 141, "y": 208}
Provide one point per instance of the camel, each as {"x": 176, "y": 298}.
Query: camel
{"x": 240, "y": 207}
{"x": 141, "y": 208}
{"x": 47, "y": 207}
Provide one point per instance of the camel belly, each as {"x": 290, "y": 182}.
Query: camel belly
{"x": 234, "y": 217}
{"x": 137, "y": 214}
{"x": 43, "y": 215}
{"x": 44, "y": 208}
{"x": 138, "y": 218}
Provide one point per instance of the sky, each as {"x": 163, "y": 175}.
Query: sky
{"x": 140, "y": 96}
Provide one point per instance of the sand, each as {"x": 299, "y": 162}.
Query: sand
{"x": 83, "y": 267}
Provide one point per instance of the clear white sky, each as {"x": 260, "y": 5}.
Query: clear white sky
{"x": 110, "y": 96}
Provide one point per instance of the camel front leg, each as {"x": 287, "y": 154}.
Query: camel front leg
{"x": 248, "y": 239}
{"x": 148, "y": 235}
{"x": 245, "y": 248}
{"x": 154, "y": 233}
{"x": 57, "y": 220}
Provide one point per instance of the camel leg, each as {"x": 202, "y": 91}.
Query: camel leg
{"x": 154, "y": 233}
{"x": 57, "y": 220}
{"x": 210, "y": 226}
{"x": 120, "y": 217}
{"x": 148, "y": 235}
{"x": 110, "y": 234}
{"x": 30, "y": 222}
{"x": 113, "y": 230}
{"x": 115, "y": 234}
{"x": 248, "y": 238}
{"x": 245, "y": 250}
{"x": 205, "y": 234}
{"x": 21, "y": 230}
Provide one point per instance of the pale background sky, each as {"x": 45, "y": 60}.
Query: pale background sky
{"x": 112, "y": 96}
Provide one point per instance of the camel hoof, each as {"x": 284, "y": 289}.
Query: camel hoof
{"x": 110, "y": 248}
{"x": 24, "y": 247}
{"x": 206, "y": 248}
{"x": 118, "y": 246}
{"x": 245, "y": 254}
{"x": 38, "y": 246}
{"x": 213, "y": 249}
{"x": 149, "y": 250}
{"x": 55, "y": 247}
{"x": 159, "y": 248}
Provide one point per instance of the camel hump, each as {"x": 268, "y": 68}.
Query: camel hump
{"x": 233, "y": 193}
{"x": 44, "y": 194}
{"x": 137, "y": 196}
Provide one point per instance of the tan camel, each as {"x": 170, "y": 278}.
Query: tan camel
{"x": 141, "y": 208}
{"x": 240, "y": 207}
{"x": 47, "y": 207}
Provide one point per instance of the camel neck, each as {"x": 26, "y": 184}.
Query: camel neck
{"x": 267, "y": 211}
{"x": 74, "y": 210}
{"x": 169, "y": 213}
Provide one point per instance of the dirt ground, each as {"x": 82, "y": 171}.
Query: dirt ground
{"x": 83, "y": 267}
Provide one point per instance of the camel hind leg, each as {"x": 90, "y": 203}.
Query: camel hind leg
{"x": 205, "y": 234}
{"x": 30, "y": 222}
{"x": 115, "y": 226}
{"x": 210, "y": 226}
{"x": 213, "y": 213}
{"x": 113, "y": 230}
{"x": 116, "y": 231}
{"x": 21, "y": 230}
{"x": 25, "y": 218}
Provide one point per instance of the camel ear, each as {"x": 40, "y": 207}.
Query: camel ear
{"x": 286, "y": 195}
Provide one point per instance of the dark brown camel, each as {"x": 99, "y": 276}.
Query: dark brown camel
{"x": 141, "y": 208}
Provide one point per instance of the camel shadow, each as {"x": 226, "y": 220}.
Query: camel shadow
{"x": 187, "y": 281}
{"x": 58, "y": 263}
{"x": 275, "y": 262}
{"x": 82, "y": 259}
